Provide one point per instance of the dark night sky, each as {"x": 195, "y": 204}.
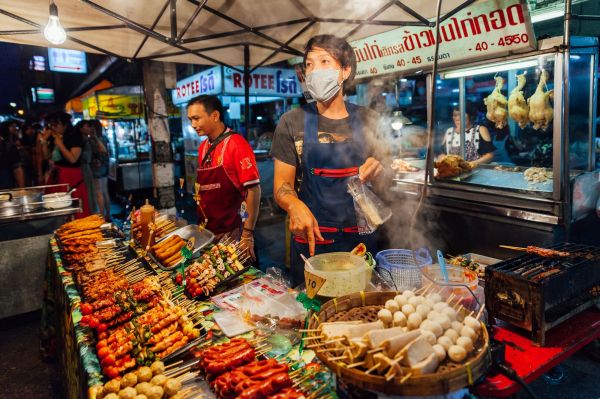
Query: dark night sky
{"x": 10, "y": 76}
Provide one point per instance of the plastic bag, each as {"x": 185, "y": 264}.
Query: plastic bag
{"x": 371, "y": 212}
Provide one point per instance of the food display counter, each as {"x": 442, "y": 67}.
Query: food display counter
{"x": 541, "y": 184}
{"x": 27, "y": 220}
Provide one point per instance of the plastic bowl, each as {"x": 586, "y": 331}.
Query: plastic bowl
{"x": 344, "y": 273}
{"x": 57, "y": 200}
{"x": 458, "y": 278}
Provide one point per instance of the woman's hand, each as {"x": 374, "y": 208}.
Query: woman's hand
{"x": 304, "y": 224}
{"x": 370, "y": 170}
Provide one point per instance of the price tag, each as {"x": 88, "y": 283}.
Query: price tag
{"x": 190, "y": 244}
{"x": 313, "y": 283}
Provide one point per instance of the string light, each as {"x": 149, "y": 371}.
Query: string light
{"x": 54, "y": 32}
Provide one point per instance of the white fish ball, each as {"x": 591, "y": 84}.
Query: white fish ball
{"x": 466, "y": 343}
{"x": 423, "y": 309}
{"x": 438, "y": 307}
{"x": 444, "y": 321}
{"x": 434, "y": 327}
{"x": 473, "y": 323}
{"x": 399, "y": 319}
{"x": 467, "y": 331}
{"x": 450, "y": 312}
{"x": 435, "y": 297}
{"x": 429, "y": 336}
{"x": 400, "y": 300}
{"x": 408, "y": 294}
{"x": 415, "y": 300}
{"x": 440, "y": 352}
{"x": 385, "y": 316}
{"x": 457, "y": 353}
{"x": 452, "y": 334}
{"x": 414, "y": 321}
{"x": 392, "y": 306}
{"x": 457, "y": 326}
{"x": 445, "y": 342}
{"x": 430, "y": 302}
{"x": 432, "y": 315}
{"x": 408, "y": 309}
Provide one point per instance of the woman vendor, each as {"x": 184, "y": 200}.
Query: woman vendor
{"x": 317, "y": 148}
{"x": 66, "y": 156}
{"x": 227, "y": 175}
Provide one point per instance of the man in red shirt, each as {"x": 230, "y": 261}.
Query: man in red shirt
{"x": 227, "y": 174}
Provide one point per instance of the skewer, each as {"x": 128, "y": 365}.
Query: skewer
{"x": 406, "y": 377}
{"x": 375, "y": 350}
{"x": 317, "y": 392}
{"x": 173, "y": 364}
{"x": 480, "y": 311}
{"x": 301, "y": 380}
{"x": 313, "y": 337}
{"x": 310, "y": 330}
{"x": 373, "y": 368}
{"x": 186, "y": 377}
{"x": 513, "y": 248}
{"x": 333, "y": 359}
{"x": 351, "y": 366}
{"x": 450, "y": 298}
{"x": 179, "y": 372}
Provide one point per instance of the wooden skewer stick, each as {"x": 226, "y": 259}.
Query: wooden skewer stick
{"x": 513, "y": 248}
{"x": 376, "y": 366}
{"x": 357, "y": 364}
{"x": 173, "y": 364}
{"x": 310, "y": 330}
{"x": 406, "y": 377}
{"x": 301, "y": 380}
{"x": 390, "y": 376}
{"x": 179, "y": 372}
{"x": 375, "y": 350}
{"x": 317, "y": 392}
{"x": 450, "y": 298}
{"x": 480, "y": 311}
{"x": 333, "y": 359}
{"x": 313, "y": 337}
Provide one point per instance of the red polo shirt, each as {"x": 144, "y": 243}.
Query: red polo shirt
{"x": 237, "y": 157}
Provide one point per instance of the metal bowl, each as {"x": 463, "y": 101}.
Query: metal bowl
{"x": 10, "y": 208}
{"x": 31, "y": 200}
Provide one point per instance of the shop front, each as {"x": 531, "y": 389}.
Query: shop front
{"x": 500, "y": 104}
{"x": 121, "y": 112}
{"x": 273, "y": 91}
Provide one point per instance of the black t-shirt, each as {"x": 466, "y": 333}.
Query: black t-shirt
{"x": 9, "y": 161}
{"x": 288, "y": 140}
{"x": 71, "y": 139}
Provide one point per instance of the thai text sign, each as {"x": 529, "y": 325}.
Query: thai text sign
{"x": 273, "y": 82}
{"x": 205, "y": 82}
{"x": 483, "y": 30}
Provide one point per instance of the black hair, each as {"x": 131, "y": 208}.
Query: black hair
{"x": 96, "y": 125}
{"x": 210, "y": 103}
{"x": 338, "y": 48}
{"x": 60, "y": 117}
{"x": 470, "y": 110}
{"x": 5, "y": 128}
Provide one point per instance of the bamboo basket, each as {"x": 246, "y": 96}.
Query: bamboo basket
{"x": 448, "y": 378}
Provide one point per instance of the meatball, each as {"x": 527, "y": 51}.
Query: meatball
{"x": 143, "y": 387}
{"x": 155, "y": 393}
{"x": 111, "y": 396}
{"x": 112, "y": 386}
{"x": 127, "y": 393}
{"x": 172, "y": 386}
{"x": 157, "y": 367}
{"x": 158, "y": 380}
{"x": 144, "y": 374}
{"x": 140, "y": 397}
{"x": 129, "y": 380}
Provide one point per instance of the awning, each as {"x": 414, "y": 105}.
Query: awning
{"x": 211, "y": 31}
{"x": 76, "y": 105}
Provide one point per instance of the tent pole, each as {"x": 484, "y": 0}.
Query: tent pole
{"x": 247, "y": 83}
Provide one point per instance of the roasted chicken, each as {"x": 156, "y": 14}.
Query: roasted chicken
{"x": 496, "y": 105}
{"x": 517, "y": 105}
{"x": 540, "y": 109}
{"x": 452, "y": 165}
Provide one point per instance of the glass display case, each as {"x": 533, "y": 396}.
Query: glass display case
{"x": 128, "y": 140}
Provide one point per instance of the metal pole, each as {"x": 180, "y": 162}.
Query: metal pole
{"x": 247, "y": 82}
{"x": 462, "y": 104}
{"x": 565, "y": 166}
{"x": 173, "y": 5}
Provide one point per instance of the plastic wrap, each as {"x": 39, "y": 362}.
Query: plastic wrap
{"x": 371, "y": 212}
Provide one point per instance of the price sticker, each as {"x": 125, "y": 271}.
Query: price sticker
{"x": 190, "y": 244}
{"x": 313, "y": 283}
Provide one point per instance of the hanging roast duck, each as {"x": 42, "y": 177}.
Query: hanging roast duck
{"x": 496, "y": 105}
{"x": 540, "y": 109}
{"x": 517, "y": 106}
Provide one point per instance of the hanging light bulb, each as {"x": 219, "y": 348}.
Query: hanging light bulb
{"x": 54, "y": 32}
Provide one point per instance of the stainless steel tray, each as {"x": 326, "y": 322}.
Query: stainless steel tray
{"x": 203, "y": 238}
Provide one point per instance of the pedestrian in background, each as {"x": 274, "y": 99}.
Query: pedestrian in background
{"x": 99, "y": 166}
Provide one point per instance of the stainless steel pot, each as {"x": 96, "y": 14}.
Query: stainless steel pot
{"x": 9, "y": 207}
{"x": 30, "y": 200}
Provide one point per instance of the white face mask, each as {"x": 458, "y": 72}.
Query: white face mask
{"x": 322, "y": 84}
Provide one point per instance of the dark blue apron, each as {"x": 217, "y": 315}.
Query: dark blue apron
{"x": 325, "y": 172}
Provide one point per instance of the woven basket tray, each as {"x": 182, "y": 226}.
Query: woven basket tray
{"x": 449, "y": 376}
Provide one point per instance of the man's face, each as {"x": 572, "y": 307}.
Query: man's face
{"x": 202, "y": 122}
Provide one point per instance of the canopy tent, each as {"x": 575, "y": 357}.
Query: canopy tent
{"x": 226, "y": 32}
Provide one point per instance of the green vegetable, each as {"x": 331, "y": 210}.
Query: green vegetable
{"x": 150, "y": 354}
{"x": 228, "y": 268}
{"x": 219, "y": 276}
{"x": 140, "y": 361}
{"x": 147, "y": 335}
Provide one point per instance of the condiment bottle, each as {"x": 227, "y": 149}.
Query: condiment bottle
{"x": 146, "y": 217}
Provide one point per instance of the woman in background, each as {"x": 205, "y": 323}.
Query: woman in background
{"x": 478, "y": 142}
{"x": 66, "y": 156}
{"x": 99, "y": 166}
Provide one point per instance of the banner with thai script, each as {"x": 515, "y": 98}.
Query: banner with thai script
{"x": 483, "y": 30}
{"x": 206, "y": 82}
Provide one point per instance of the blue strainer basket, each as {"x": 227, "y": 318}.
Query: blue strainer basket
{"x": 399, "y": 266}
